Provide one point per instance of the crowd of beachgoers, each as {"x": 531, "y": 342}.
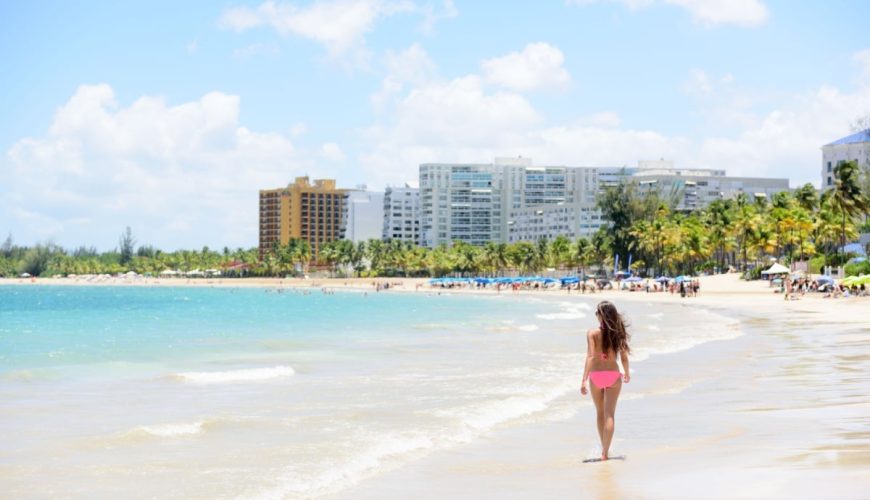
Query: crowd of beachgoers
{"x": 685, "y": 286}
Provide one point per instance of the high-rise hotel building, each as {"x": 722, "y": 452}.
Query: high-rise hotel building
{"x": 312, "y": 212}
{"x": 401, "y": 214}
{"x": 509, "y": 200}
{"x": 855, "y": 147}
{"x": 512, "y": 200}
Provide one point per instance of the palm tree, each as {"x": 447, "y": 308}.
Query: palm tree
{"x": 560, "y": 251}
{"x": 542, "y": 253}
{"x": 718, "y": 218}
{"x": 357, "y": 257}
{"x": 780, "y": 214}
{"x": 803, "y": 224}
{"x": 846, "y": 196}
{"x": 489, "y": 257}
{"x": 376, "y": 255}
{"x": 807, "y": 197}
{"x": 523, "y": 256}
{"x": 584, "y": 254}
{"x": 439, "y": 261}
{"x": 466, "y": 257}
{"x": 746, "y": 222}
{"x": 330, "y": 255}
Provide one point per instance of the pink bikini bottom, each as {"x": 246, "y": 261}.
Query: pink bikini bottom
{"x": 604, "y": 379}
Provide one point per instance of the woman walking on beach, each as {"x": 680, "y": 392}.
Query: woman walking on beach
{"x": 603, "y": 345}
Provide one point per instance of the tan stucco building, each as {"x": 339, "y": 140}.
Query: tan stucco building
{"x": 312, "y": 212}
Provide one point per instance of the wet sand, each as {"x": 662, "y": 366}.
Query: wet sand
{"x": 780, "y": 412}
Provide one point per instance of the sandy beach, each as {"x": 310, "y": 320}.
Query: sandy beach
{"x": 777, "y": 410}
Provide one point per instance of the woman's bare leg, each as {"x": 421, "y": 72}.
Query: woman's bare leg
{"x": 611, "y": 395}
{"x": 598, "y": 398}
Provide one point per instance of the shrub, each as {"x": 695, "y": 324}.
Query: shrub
{"x": 857, "y": 268}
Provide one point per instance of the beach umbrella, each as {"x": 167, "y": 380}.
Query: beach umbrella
{"x": 633, "y": 279}
{"x": 853, "y": 248}
{"x": 663, "y": 279}
{"x": 25, "y": 275}
{"x": 863, "y": 280}
{"x": 848, "y": 281}
{"x": 776, "y": 268}
{"x": 825, "y": 280}
{"x": 855, "y": 280}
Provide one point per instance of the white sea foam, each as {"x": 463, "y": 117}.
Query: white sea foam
{"x": 460, "y": 425}
{"x": 242, "y": 375}
{"x": 170, "y": 430}
{"x": 562, "y": 315}
{"x": 568, "y": 310}
{"x": 372, "y": 459}
{"x": 682, "y": 337}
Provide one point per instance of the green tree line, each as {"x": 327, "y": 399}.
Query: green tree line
{"x": 737, "y": 233}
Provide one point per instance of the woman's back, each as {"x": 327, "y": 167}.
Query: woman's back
{"x": 601, "y": 360}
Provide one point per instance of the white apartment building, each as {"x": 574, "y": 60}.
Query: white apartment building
{"x": 460, "y": 202}
{"x": 511, "y": 200}
{"x": 853, "y": 147}
{"x": 364, "y": 215}
{"x": 401, "y": 214}
{"x": 696, "y": 188}
{"x": 543, "y": 222}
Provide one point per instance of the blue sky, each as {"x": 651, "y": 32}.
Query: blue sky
{"x": 169, "y": 116}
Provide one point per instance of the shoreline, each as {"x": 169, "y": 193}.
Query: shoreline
{"x": 722, "y": 291}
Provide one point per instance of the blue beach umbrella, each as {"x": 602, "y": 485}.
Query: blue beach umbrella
{"x": 825, "y": 280}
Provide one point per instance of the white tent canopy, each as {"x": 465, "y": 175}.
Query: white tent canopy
{"x": 776, "y": 268}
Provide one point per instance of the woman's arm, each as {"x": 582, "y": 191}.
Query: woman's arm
{"x": 626, "y": 377}
{"x": 587, "y": 366}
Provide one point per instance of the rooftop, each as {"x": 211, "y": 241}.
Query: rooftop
{"x": 856, "y": 138}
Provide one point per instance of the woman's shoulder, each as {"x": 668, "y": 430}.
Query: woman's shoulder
{"x": 593, "y": 332}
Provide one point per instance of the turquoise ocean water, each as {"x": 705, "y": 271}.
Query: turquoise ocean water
{"x": 260, "y": 393}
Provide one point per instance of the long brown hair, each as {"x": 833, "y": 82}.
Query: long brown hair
{"x": 614, "y": 334}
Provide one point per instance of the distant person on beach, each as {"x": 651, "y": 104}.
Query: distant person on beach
{"x": 603, "y": 345}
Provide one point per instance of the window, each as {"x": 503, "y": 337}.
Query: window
{"x": 829, "y": 166}
{"x": 829, "y": 181}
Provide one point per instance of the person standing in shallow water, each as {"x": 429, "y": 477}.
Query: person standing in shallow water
{"x": 603, "y": 345}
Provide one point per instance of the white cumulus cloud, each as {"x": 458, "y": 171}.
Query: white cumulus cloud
{"x": 537, "y": 66}
{"x": 339, "y": 25}
{"x": 748, "y": 13}
{"x": 711, "y": 12}
{"x": 332, "y": 152}
{"x": 180, "y": 175}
